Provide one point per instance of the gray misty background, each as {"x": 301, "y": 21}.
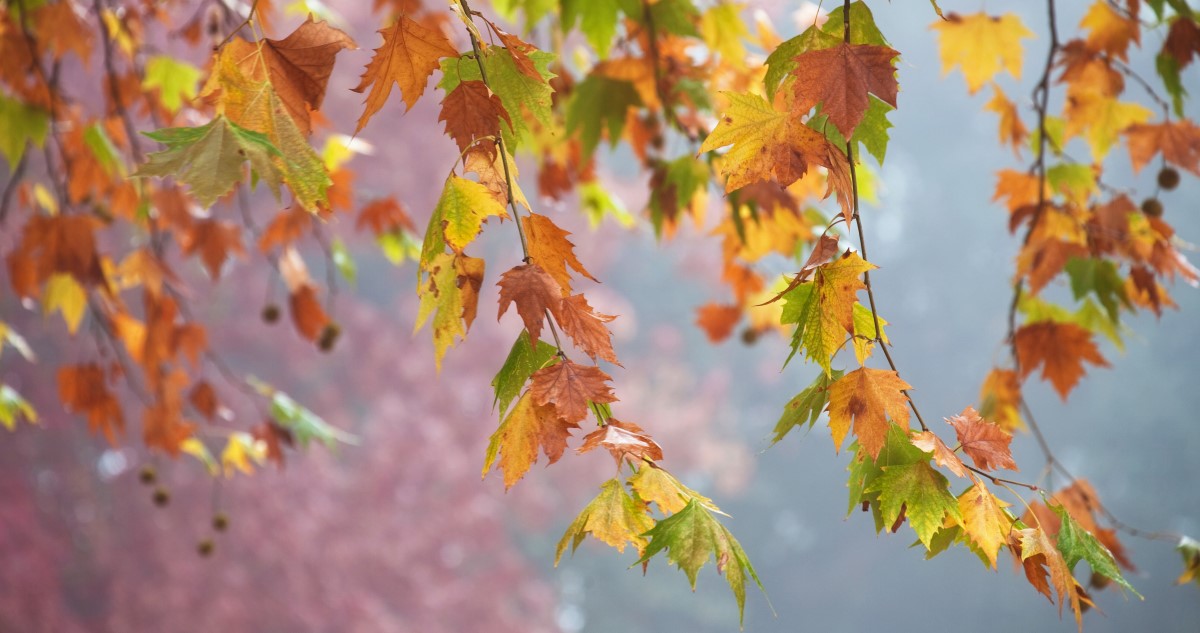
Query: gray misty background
{"x": 399, "y": 534}
{"x": 946, "y": 260}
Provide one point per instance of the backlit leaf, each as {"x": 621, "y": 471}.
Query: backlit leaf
{"x": 613, "y": 517}
{"x": 867, "y": 398}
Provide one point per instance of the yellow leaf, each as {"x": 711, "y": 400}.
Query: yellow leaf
{"x": 240, "y": 452}
{"x": 653, "y": 484}
{"x": 1101, "y": 119}
{"x": 64, "y": 294}
{"x": 613, "y": 517}
{"x": 982, "y": 45}
{"x": 984, "y": 520}
{"x": 197, "y": 449}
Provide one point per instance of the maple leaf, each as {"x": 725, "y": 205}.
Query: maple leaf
{"x": 624, "y": 440}
{"x": 535, "y": 293}
{"x": 209, "y": 158}
{"x": 718, "y": 320}
{"x": 600, "y": 104}
{"x": 519, "y": 92}
{"x": 458, "y": 217}
{"x": 864, "y": 470}
{"x": 84, "y": 389}
{"x": 986, "y": 443}
{"x": 768, "y": 143}
{"x": 529, "y": 426}
{"x": 653, "y": 484}
{"x": 823, "y": 309}
{"x": 1037, "y": 551}
{"x": 1189, "y": 549}
{"x": 692, "y": 536}
{"x": 409, "y": 55}
{"x": 930, "y": 443}
{"x": 867, "y": 397}
{"x": 471, "y": 111}
{"x": 839, "y": 79}
{"x": 613, "y": 517}
{"x": 20, "y": 124}
{"x": 570, "y": 387}
{"x": 920, "y": 492}
{"x": 307, "y": 314}
{"x": 215, "y": 240}
{"x": 1060, "y": 349}
{"x": 298, "y": 66}
{"x": 384, "y": 215}
{"x": 12, "y": 406}
{"x": 255, "y": 105}
{"x": 1078, "y": 544}
{"x": 782, "y": 61}
{"x": 203, "y": 398}
{"x": 523, "y": 359}
{"x": 1109, "y": 31}
{"x": 1179, "y": 142}
{"x": 452, "y": 289}
{"x": 1012, "y": 131}
{"x": 586, "y": 327}
{"x": 549, "y": 248}
{"x": 285, "y": 228}
{"x": 805, "y": 407}
{"x": 984, "y": 520}
{"x": 981, "y": 45}
{"x": 1101, "y": 119}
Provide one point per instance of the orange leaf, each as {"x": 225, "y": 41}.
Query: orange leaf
{"x": 384, "y": 215}
{"x": 472, "y": 111}
{"x": 624, "y": 440}
{"x": 1000, "y": 399}
{"x": 1060, "y": 349}
{"x": 1110, "y": 32}
{"x": 204, "y": 399}
{"x": 525, "y": 429}
{"x": 569, "y": 387}
{"x": 1012, "y": 131}
{"x": 409, "y": 55}
{"x": 519, "y": 49}
{"x": 840, "y": 78}
{"x": 718, "y": 320}
{"x": 84, "y": 389}
{"x": 1178, "y": 141}
{"x": 930, "y": 443}
{"x": 307, "y": 313}
{"x": 1038, "y": 550}
{"x": 470, "y": 280}
{"x": 550, "y": 249}
{"x": 586, "y": 327}
{"x": 535, "y": 292}
{"x": 216, "y": 241}
{"x": 286, "y": 227}
{"x": 867, "y": 397}
{"x": 298, "y": 66}
{"x": 986, "y": 443}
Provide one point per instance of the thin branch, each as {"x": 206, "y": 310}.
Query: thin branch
{"x": 14, "y": 179}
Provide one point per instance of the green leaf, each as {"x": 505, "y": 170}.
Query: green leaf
{"x": 101, "y": 146}
{"x": 782, "y": 60}
{"x": 522, "y": 361}
{"x": 600, "y": 103}
{"x": 924, "y": 493}
{"x": 677, "y": 17}
{"x": 806, "y": 406}
{"x": 175, "y": 80}
{"x": 693, "y": 535}
{"x": 20, "y": 124}
{"x": 871, "y": 133}
{"x": 1078, "y": 544}
{"x": 1168, "y": 70}
{"x": 599, "y": 21}
{"x": 1072, "y": 180}
{"x": 343, "y": 261}
{"x": 534, "y": 10}
{"x": 823, "y": 309}
{"x": 897, "y": 451}
{"x": 209, "y": 158}
{"x": 598, "y": 203}
{"x": 13, "y": 407}
{"x": 614, "y": 517}
{"x": 862, "y": 25}
{"x": 685, "y": 177}
{"x": 518, "y": 92}
{"x": 303, "y": 423}
{"x": 1100, "y": 277}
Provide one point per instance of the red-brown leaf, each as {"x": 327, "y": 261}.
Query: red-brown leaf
{"x": 569, "y": 387}
{"x": 472, "y": 111}
{"x": 624, "y": 440}
{"x": 1060, "y": 349}
{"x": 535, "y": 292}
{"x": 586, "y": 327}
{"x": 986, "y": 443}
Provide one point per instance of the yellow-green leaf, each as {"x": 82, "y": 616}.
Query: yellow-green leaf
{"x": 614, "y": 518}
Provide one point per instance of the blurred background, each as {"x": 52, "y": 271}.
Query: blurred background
{"x": 398, "y": 533}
